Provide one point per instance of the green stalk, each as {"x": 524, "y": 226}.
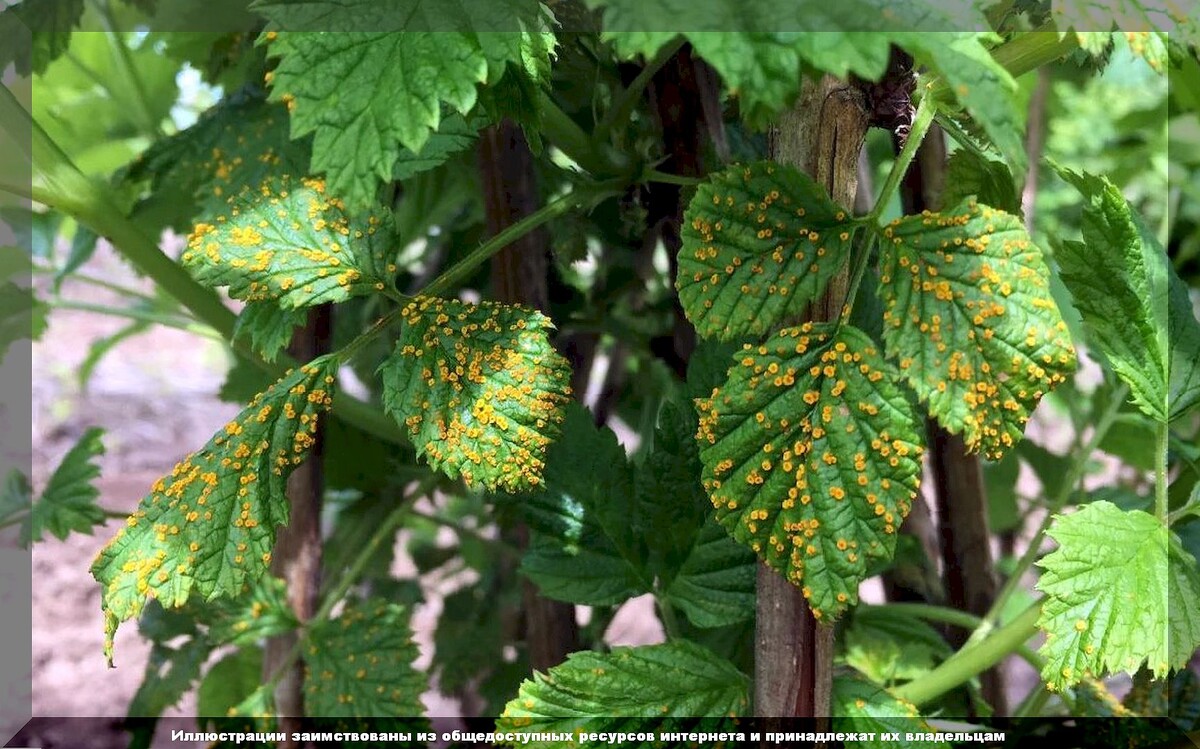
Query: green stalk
{"x": 1074, "y": 474}
{"x": 461, "y": 270}
{"x": 956, "y": 618}
{"x": 972, "y": 660}
{"x": 1160, "y": 473}
{"x": 626, "y": 101}
{"x": 860, "y": 269}
{"x": 926, "y": 109}
{"x": 133, "y": 313}
{"x": 116, "y": 42}
{"x": 666, "y": 615}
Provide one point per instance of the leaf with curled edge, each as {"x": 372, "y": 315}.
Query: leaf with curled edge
{"x": 288, "y": 241}
{"x": 208, "y": 528}
{"x": 969, "y": 316}
{"x": 760, "y": 243}
{"x": 811, "y": 456}
{"x": 479, "y": 388}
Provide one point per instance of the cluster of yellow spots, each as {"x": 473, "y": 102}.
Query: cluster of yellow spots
{"x": 209, "y": 525}
{"x": 760, "y": 243}
{"x": 291, "y": 242}
{"x": 969, "y": 316}
{"x": 479, "y": 388}
{"x": 782, "y": 461}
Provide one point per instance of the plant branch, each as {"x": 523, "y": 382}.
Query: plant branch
{"x": 972, "y": 659}
{"x": 1160, "y": 473}
{"x": 926, "y": 110}
{"x": 626, "y": 101}
{"x": 133, "y": 313}
{"x": 861, "y": 261}
{"x": 956, "y": 618}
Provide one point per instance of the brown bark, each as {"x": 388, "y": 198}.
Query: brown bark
{"x": 793, "y": 672}
{"x": 968, "y": 572}
{"x": 297, "y": 554}
{"x": 519, "y": 276}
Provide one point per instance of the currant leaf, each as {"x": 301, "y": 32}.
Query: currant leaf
{"x": 760, "y": 243}
{"x": 267, "y": 327}
{"x": 290, "y": 242}
{"x": 969, "y": 315}
{"x": 1120, "y": 592}
{"x": 811, "y": 456}
{"x": 424, "y": 54}
{"x": 602, "y": 691}
{"x": 68, "y": 502}
{"x": 479, "y": 388}
{"x": 208, "y": 528}
{"x": 863, "y": 708}
{"x": 1134, "y": 305}
{"x": 361, "y": 664}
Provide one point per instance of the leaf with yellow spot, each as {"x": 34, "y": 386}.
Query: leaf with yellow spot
{"x": 1120, "y": 591}
{"x": 479, "y": 388}
{"x": 760, "y": 243}
{"x": 969, "y": 317}
{"x": 360, "y": 664}
{"x": 863, "y": 708}
{"x": 208, "y": 528}
{"x": 624, "y": 689}
{"x": 811, "y": 456}
{"x": 290, "y": 242}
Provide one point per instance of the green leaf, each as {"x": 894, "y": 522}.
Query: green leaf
{"x": 701, "y": 570}
{"x": 268, "y": 327}
{"x": 68, "y": 502}
{"x": 479, "y": 388}
{"x": 888, "y": 646}
{"x": 811, "y": 455}
{"x": 454, "y": 135}
{"x": 257, "y": 614}
{"x": 969, "y": 316}
{"x": 758, "y": 50}
{"x": 1177, "y": 697}
{"x": 1132, "y": 438}
{"x": 360, "y": 664}
{"x": 238, "y": 143}
{"x": 978, "y": 81}
{"x": 860, "y": 707}
{"x": 34, "y": 33}
{"x": 170, "y": 673}
{"x": 1134, "y": 305}
{"x": 1091, "y": 20}
{"x": 760, "y": 243}
{"x": 16, "y": 499}
{"x": 602, "y": 691}
{"x": 989, "y": 181}
{"x": 332, "y": 81}
{"x": 208, "y": 528}
{"x": 289, "y": 242}
{"x": 22, "y": 315}
{"x": 585, "y": 547}
{"x": 228, "y": 682}
{"x": 1121, "y": 592}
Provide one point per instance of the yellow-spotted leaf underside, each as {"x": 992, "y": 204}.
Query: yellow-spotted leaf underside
{"x": 290, "y": 242}
{"x": 811, "y": 456}
{"x": 479, "y": 388}
{"x": 969, "y": 317}
{"x": 760, "y": 243}
{"x": 208, "y": 527}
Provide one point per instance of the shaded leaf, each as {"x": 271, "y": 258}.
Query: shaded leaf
{"x": 812, "y": 457}
{"x": 990, "y": 181}
{"x": 170, "y": 673}
{"x": 34, "y": 33}
{"x": 360, "y": 664}
{"x": 228, "y": 682}
{"x": 268, "y": 327}
{"x": 605, "y": 691}
{"x": 479, "y": 388}
{"x": 860, "y": 707}
{"x": 969, "y": 316}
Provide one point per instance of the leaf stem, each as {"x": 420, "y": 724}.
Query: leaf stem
{"x": 1067, "y": 488}
{"x": 926, "y": 109}
{"x": 497, "y": 543}
{"x": 626, "y": 101}
{"x": 972, "y": 659}
{"x": 1161, "y": 510}
{"x": 653, "y": 175}
{"x": 133, "y": 313}
{"x": 461, "y": 270}
{"x": 100, "y": 283}
{"x": 956, "y": 618}
{"x": 856, "y": 276}
{"x": 666, "y": 614}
